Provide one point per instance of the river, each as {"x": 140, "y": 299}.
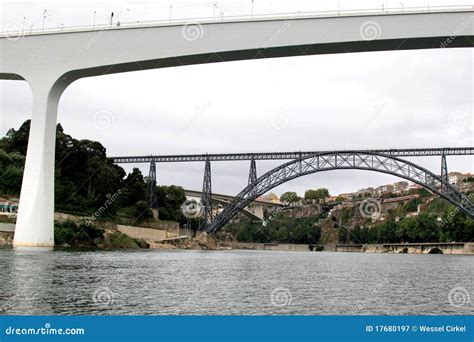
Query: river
{"x": 233, "y": 283}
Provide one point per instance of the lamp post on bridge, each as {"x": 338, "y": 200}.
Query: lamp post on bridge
{"x": 44, "y": 17}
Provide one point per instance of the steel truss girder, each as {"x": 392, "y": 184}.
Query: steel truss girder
{"x": 343, "y": 160}
{"x": 413, "y": 152}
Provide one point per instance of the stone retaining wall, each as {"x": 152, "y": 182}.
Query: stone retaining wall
{"x": 149, "y": 234}
{"x": 6, "y": 239}
{"x": 462, "y": 248}
{"x": 7, "y": 227}
{"x": 266, "y": 246}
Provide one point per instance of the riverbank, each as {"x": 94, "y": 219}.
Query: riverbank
{"x": 70, "y": 234}
{"x": 458, "y": 248}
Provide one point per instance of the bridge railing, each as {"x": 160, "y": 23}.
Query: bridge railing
{"x": 16, "y": 32}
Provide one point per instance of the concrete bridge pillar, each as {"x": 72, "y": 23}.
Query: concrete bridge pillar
{"x": 258, "y": 211}
{"x": 35, "y": 221}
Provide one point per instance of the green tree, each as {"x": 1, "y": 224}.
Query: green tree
{"x": 17, "y": 140}
{"x": 11, "y": 179}
{"x": 11, "y": 172}
{"x": 290, "y": 197}
{"x": 134, "y": 189}
{"x": 343, "y": 235}
{"x": 317, "y": 194}
{"x": 170, "y": 199}
{"x": 142, "y": 212}
{"x": 85, "y": 180}
{"x": 411, "y": 206}
{"x": 458, "y": 226}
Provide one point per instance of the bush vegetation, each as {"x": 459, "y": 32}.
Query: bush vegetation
{"x": 86, "y": 182}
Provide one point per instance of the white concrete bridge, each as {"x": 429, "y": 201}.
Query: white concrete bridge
{"x": 50, "y": 61}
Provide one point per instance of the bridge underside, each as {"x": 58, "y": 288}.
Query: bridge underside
{"x": 256, "y": 215}
{"x": 276, "y": 52}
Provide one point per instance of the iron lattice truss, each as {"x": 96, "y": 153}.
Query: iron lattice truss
{"x": 152, "y": 196}
{"x": 342, "y": 160}
{"x": 252, "y": 172}
{"x": 413, "y": 152}
{"x": 206, "y": 200}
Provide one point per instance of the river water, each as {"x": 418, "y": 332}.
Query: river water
{"x": 234, "y": 283}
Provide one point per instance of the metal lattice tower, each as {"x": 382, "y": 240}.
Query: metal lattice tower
{"x": 151, "y": 187}
{"x": 206, "y": 200}
{"x": 253, "y": 172}
{"x": 444, "y": 168}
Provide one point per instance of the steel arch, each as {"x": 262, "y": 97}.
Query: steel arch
{"x": 342, "y": 160}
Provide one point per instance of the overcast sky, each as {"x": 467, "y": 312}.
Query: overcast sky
{"x": 364, "y": 100}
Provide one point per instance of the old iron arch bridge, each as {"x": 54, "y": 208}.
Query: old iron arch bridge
{"x": 342, "y": 160}
{"x": 207, "y": 199}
